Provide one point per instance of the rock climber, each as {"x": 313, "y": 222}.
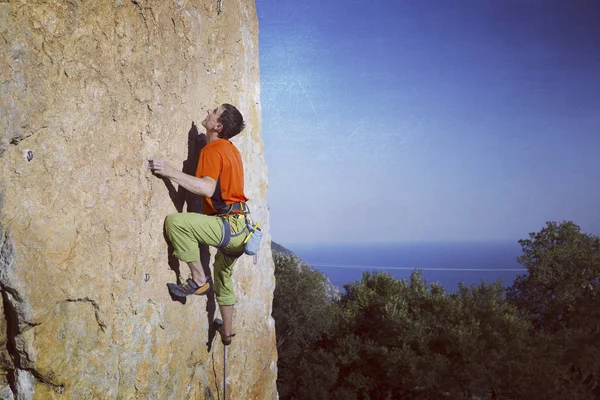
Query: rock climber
{"x": 220, "y": 180}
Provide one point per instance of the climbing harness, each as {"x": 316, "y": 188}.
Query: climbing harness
{"x": 227, "y": 235}
{"x": 253, "y": 232}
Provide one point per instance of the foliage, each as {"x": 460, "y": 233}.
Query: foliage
{"x": 407, "y": 339}
{"x": 302, "y": 314}
{"x": 412, "y": 340}
{"x": 560, "y": 295}
{"x": 561, "y": 289}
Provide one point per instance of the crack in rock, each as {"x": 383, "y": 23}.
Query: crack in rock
{"x": 21, "y": 374}
{"x": 96, "y": 307}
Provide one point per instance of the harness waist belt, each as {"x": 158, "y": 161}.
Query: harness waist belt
{"x": 233, "y": 207}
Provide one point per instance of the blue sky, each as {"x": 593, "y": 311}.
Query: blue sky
{"x": 399, "y": 121}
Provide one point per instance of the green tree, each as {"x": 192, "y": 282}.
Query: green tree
{"x": 560, "y": 295}
{"x": 561, "y": 288}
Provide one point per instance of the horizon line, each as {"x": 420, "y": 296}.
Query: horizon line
{"x": 325, "y": 265}
{"x": 354, "y": 243}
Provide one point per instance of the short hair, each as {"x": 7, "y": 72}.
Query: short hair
{"x": 232, "y": 121}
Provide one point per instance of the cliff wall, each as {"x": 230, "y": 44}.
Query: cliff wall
{"x": 89, "y": 90}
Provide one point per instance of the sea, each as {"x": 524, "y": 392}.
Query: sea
{"x": 447, "y": 263}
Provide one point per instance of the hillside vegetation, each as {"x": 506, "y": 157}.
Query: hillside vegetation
{"x": 407, "y": 339}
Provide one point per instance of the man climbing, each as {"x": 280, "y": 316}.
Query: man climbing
{"x": 220, "y": 180}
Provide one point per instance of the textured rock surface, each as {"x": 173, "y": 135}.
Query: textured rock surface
{"x": 92, "y": 89}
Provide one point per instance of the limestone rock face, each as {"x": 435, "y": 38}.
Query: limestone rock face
{"x": 89, "y": 90}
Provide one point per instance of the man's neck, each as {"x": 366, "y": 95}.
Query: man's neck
{"x": 212, "y": 136}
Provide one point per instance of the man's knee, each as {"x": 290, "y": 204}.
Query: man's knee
{"x": 224, "y": 291}
{"x": 172, "y": 220}
{"x": 226, "y": 300}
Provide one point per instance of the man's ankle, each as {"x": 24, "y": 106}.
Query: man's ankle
{"x": 199, "y": 281}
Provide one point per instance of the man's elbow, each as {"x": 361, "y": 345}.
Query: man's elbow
{"x": 210, "y": 191}
{"x": 210, "y": 186}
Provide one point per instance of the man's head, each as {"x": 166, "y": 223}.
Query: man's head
{"x": 226, "y": 121}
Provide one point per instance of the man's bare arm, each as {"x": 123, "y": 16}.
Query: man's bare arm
{"x": 204, "y": 186}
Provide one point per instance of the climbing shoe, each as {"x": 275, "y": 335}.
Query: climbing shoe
{"x": 190, "y": 287}
{"x": 225, "y": 339}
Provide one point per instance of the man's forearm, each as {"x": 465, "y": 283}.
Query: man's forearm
{"x": 201, "y": 186}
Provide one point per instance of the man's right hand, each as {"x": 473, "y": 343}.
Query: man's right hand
{"x": 160, "y": 167}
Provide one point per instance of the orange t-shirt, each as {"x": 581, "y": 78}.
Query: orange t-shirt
{"x": 221, "y": 161}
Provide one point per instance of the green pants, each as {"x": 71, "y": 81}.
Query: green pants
{"x": 186, "y": 230}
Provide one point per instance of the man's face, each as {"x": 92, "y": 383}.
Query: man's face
{"x": 211, "y": 122}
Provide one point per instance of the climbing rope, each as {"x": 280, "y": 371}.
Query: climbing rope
{"x": 224, "y": 372}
